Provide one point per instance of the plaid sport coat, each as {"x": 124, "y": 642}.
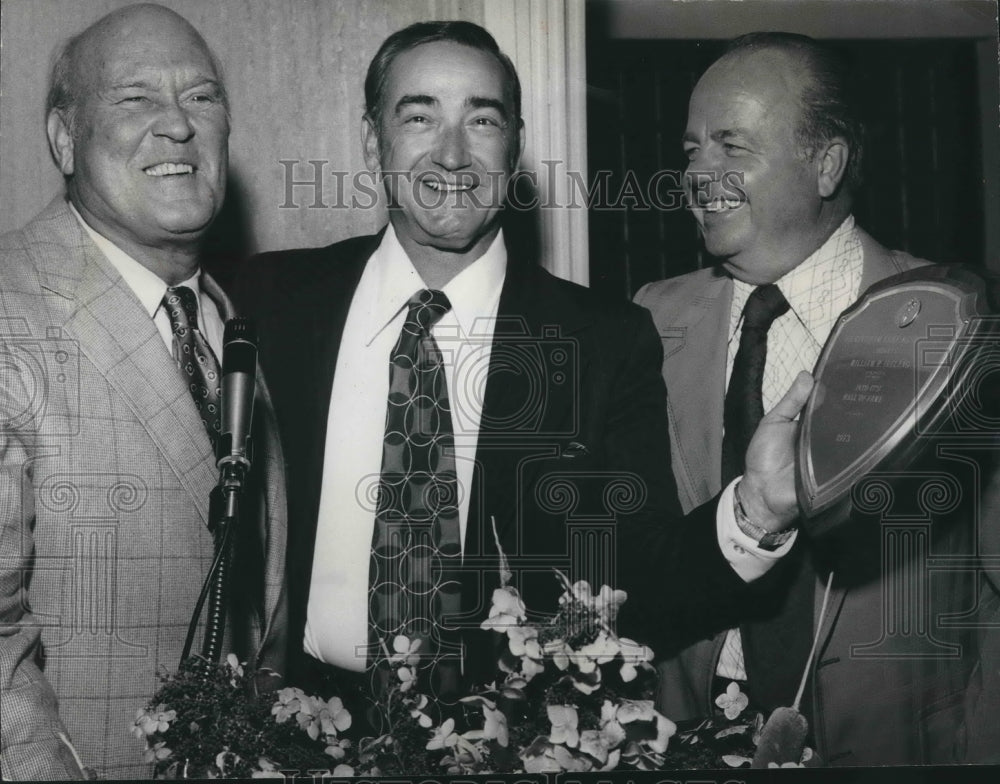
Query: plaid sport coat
{"x": 105, "y": 475}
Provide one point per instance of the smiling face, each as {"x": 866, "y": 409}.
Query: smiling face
{"x": 757, "y": 196}
{"x": 146, "y": 151}
{"x": 446, "y": 146}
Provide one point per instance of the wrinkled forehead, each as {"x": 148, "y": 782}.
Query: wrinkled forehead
{"x": 145, "y": 46}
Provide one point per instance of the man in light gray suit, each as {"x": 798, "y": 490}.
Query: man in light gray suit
{"x": 774, "y": 141}
{"x": 109, "y": 341}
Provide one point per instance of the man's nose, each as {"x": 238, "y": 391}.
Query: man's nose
{"x": 452, "y": 149}
{"x": 702, "y": 178}
{"x": 173, "y": 122}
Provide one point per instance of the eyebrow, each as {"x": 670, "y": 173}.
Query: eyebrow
{"x": 414, "y": 100}
{"x": 487, "y": 103}
{"x": 475, "y": 102}
{"x": 148, "y": 85}
{"x": 725, "y": 134}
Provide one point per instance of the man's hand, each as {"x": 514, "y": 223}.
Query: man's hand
{"x": 767, "y": 489}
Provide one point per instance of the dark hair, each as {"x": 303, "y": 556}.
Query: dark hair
{"x": 829, "y": 102}
{"x": 465, "y": 33}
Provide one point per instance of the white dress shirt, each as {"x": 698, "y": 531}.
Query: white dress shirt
{"x": 149, "y": 288}
{"x": 337, "y": 613}
{"x": 818, "y": 290}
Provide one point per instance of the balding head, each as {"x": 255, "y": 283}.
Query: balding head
{"x": 826, "y": 94}
{"x": 139, "y": 126}
{"x": 64, "y": 89}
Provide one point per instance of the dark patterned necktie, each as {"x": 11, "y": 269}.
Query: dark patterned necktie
{"x": 416, "y": 547}
{"x": 195, "y": 357}
{"x": 775, "y": 642}
{"x": 744, "y": 397}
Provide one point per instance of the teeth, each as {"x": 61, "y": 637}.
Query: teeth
{"x": 438, "y": 185}
{"x": 163, "y": 169}
{"x": 720, "y": 204}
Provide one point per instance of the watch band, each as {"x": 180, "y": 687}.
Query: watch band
{"x": 766, "y": 540}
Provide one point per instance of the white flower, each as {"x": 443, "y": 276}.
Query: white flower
{"x": 560, "y": 652}
{"x": 406, "y": 678}
{"x": 406, "y": 650}
{"x": 633, "y": 654}
{"x": 608, "y": 602}
{"x": 592, "y": 742}
{"x": 151, "y": 722}
{"x": 733, "y": 701}
{"x": 157, "y": 752}
{"x": 235, "y": 668}
{"x": 569, "y": 761}
{"x": 635, "y": 710}
{"x": 665, "y": 730}
{"x": 523, "y": 641}
{"x": 602, "y": 650}
{"x": 495, "y": 724}
{"x": 542, "y": 762}
{"x": 334, "y": 717}
{"x": 444, "y": 736}
{"x": 506, "y": 610}
{"x": 564, "y": 720}
{"x": 288, "y": 704}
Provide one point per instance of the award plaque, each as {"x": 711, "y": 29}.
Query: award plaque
{"x": 897, "y": 364}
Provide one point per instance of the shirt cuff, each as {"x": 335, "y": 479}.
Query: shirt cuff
{"x": 747, "y": 559}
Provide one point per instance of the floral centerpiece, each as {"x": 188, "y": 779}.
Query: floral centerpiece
{"x": 571, "y": 696}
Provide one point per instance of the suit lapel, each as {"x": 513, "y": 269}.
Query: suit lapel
{"x": 531, "y": 309}
{"x": 694, "y": 369}
{"x": 116, "y": 334}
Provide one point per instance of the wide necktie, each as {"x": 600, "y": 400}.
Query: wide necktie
{"x": 775, "y": 644}
{"x": 744, "y": 398}
{"x": 195, "y": 358}
{"x": 416, "y": 547}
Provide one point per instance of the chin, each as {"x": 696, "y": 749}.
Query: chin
{"x": 187, "y": 222}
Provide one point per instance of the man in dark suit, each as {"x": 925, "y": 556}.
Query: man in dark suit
{"x": 556, "y": 429}
{"x": 774, "y": 143}
{"x": 106, "y": 435}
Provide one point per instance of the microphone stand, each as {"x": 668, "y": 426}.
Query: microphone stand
{"x": 224, "y": 515}
{"x": 235, "y": 451}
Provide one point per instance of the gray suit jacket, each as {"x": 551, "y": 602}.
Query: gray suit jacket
{"x": 105, "y": 475}
{"x": 868, "y": 709}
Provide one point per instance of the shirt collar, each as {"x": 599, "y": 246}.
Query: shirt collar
{"x": 473, "y": 293}
{"x": 820, "y": 288}
{"x": 147, "y": 286}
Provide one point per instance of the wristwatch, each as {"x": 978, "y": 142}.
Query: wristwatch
{"x": 766, "y": 540}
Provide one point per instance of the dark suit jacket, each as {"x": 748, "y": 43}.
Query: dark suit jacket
{"x": 871, "y": 706}
{"x": 573, "y": 446}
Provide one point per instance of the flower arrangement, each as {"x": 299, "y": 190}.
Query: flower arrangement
{"x": 571, "y": 695}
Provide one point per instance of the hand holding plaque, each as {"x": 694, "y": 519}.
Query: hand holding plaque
{"x": 914, "y": 355}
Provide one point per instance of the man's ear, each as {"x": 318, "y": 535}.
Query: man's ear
{"x": 832, "y": 166}
{"x": 60, "y": 141}
{"x": 370, "y": 144}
